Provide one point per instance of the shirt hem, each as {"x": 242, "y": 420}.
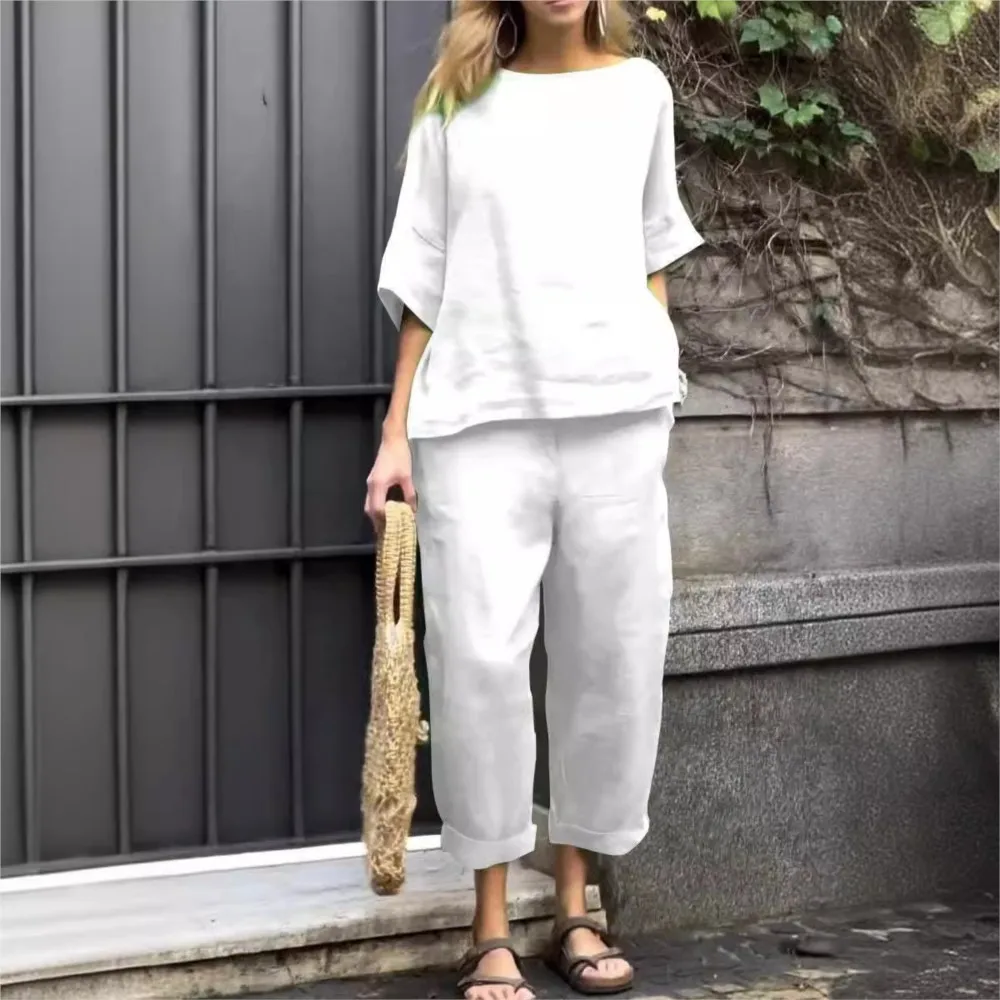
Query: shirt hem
{"x": 421, "y": 430}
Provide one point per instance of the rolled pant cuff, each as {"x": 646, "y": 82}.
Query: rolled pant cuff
{"x": 479, "y": 854}
{"x": 613, "y": 844}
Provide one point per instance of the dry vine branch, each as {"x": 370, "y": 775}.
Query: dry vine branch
{"x": 889, "y": 260}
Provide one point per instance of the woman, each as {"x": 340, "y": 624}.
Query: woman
{"x": 535, "y": 382}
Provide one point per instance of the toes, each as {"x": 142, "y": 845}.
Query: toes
{"x": 614, "y": 968}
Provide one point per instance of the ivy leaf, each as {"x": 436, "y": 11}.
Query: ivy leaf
{"x": 824, "y": 97}
{"x": 772, "y": 99}
{"x": 765, "y": 35}
{"x": 803, "y": 114}
{"x": 960, "y": 13}
{"x": 802, "y": 23}
{"x": 985, "y": 157}
{"x": 942, "y": 21}
{"x": 852, "y": 130}
{"x": 812, "y": 152}
{"x": 933, "y": 22}
{"x": 834, "y": 25}
{"x": 717, "y": 10}
{"x": 818, "y": 41}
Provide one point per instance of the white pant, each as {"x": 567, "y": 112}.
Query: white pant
{"x": 580, "y": 507}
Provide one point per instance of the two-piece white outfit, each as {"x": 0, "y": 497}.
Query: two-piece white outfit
{"x": 538, "y": 421}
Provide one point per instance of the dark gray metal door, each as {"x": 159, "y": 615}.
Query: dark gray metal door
{"x": 195, "y": 200}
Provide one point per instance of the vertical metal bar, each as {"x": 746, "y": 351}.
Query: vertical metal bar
{"x": 210, "y": 421}
{"x": 378, "y": 208}
{"x": 295, "y": 431}
{"x": 123, "y": 768}
{"x": 26, "y": 257}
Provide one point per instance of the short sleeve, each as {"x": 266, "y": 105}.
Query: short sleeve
{"x": 412, "y": 273}
{"x": 669, "y": 232}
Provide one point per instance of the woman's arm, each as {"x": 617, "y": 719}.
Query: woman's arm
{"x": 393, "y": 466}
{"x": 413, "y": 339}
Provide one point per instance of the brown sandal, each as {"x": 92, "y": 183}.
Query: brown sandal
{"x": 570, "y": 968}
{"x": 467, "y": 968}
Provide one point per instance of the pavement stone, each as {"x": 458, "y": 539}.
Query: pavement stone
{"x": 921, "y": 951}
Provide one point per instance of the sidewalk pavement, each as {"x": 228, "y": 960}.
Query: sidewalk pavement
{"x": 924, "y": 951}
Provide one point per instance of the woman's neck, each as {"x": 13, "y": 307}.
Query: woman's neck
{"x": 554, "y": 51}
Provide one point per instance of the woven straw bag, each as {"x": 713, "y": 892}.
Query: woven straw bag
{"x": 394, "y": 724}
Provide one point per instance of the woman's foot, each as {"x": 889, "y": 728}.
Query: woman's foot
{"x": 583, "y": 942}
{"x": 497, "y": 964}
{"x": 492, "y": 958}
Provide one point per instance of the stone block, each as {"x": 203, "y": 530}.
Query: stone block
{"x": 829, "y": 493}
{"x": 843, "y": 783}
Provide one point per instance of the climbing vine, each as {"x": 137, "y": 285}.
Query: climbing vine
{"x": 808, "y": 123}
{"x": 843, "y": 159}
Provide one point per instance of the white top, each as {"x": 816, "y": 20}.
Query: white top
{"x": 525, "y": 231}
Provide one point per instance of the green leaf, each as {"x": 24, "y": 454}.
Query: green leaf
{"x": 802, "y": 23}
{"x": 802, "y": 115}
{"x": 717, "y": 10}
{"x": 775, "y": 14}
{"x": 919, "y": 149}
{"x": 986, "y": 157}
{"x": 959, "y": 15}
{"x": 852, "y": 130}
{"x": 812, "y": 152}
{"x": 938, "y": 20}
{"x": 772, "y": 99}
{"x": 764, "y": 35}
{"x": 834, "y": 25}
{"x": 819, "y": 41}
{"x": 807, "y": 112}
{"x": 825, "y": 98}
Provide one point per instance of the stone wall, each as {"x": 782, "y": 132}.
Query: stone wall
{"x": 829, "y": 725}
{"x": 829, "y": 729}
{"x": 860, "y": 780}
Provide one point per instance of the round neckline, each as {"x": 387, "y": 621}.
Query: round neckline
{"x": 569, "y": 72}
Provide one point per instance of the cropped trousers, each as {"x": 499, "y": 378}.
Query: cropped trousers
{"x": 569, "y": 515}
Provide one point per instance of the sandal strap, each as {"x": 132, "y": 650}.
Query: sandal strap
{"x": 467, "y": 966}
{"x": 601, "y": 956}
{"x": 564, "y": 927}
{"x": 574, "y": 962}
{"x": 471, "y": 982}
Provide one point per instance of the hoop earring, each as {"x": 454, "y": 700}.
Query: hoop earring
{"x": 504, "y": 56}
{"x": 602, "y": 18}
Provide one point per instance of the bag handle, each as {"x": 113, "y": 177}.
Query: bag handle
{"x": 396, "y": 566}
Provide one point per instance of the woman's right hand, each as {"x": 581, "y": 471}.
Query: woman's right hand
{"x": 392, "y": 467}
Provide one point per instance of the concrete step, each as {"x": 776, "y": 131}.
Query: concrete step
{"x": 222, "y": 933}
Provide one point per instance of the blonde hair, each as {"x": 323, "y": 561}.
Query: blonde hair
{"x": 467, "y": 60}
